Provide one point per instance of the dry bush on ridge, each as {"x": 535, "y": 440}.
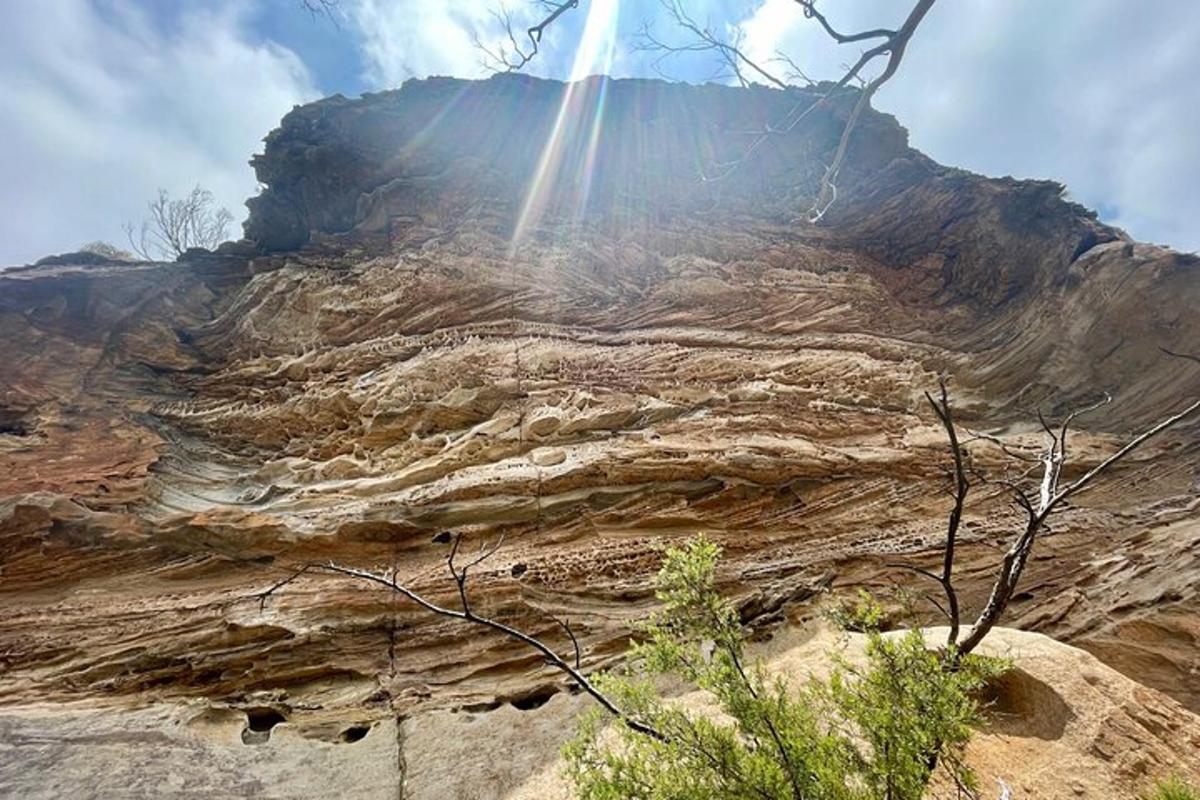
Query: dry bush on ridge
{"x": 176, "y": 226}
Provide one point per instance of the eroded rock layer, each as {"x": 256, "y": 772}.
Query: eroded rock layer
{"x": 461, "y": 308}
{"x": 1061, "y": 725}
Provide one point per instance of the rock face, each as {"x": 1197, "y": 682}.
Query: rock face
{"x": 1060, "y": 725}
{"x": 510, "y": 307}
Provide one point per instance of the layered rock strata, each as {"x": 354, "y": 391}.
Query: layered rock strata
{"x": 511, "y": 308}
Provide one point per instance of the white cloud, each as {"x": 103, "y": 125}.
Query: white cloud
{"x": 1086, "y": 92}
{"x": 418, "y": 38}
{"x": 102, "y": 104}
{"x": 402, "y": 39}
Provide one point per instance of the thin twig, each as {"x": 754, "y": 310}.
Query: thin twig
{"x": 705, "y": 40}
{"x": 500, "y": 59}
{"x": 810, "y": 11}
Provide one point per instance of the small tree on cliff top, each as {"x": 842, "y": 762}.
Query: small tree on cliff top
{"x": 176, "y": 226}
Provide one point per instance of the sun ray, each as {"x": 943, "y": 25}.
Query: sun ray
{"x": 582, "y": 105}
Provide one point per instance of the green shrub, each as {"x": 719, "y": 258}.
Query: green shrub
{"x": 1173, "y": 788}
{"x": 878, "y": 731}
{"x": 864, "y": 615}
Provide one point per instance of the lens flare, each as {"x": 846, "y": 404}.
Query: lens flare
{"x": 581, "y": 109}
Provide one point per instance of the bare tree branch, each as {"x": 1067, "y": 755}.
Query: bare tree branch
{"x": 941, "y": 407}
{"x": 794, "y": 74}
{"x": 1004, "y": 446}
{"x": 1051, "y": 497}
{"x": 934, "y": 601}
{"x": 705, "y": 39}
{"x": 1103, "y": 466}
{"x": 551, "y": 658}
{"x": 933, "y": 576}
{"x": 893, "y": 46}
{"x": 514, "y": 57}
{"x": 962, "y": 486}
{"x": 566, "y": 626}
{"x": 265, "y": 595}
{"x": 810, "y": 11}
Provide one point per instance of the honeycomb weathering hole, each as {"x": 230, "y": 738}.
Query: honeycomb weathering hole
{"x": 14, "y": 423}
{"x": 534, "y": 699}
{"x": 355, "y": 733}
{"x": 1018, "y": 704}
{"x": 259, "y": 722}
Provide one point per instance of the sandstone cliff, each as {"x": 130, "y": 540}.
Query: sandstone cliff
{"x": 510, "y": 307}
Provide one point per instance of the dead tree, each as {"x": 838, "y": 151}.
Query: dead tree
{"x": 176, "y": 226}
{"x": 1037, "y": 505}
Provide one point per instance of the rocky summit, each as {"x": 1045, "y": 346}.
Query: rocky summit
{"x": 591, "y": 318}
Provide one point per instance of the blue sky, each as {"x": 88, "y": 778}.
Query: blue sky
{"x": 104, "y": 101}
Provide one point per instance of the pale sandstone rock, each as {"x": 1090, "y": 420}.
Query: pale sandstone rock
{"x": 1061, "y": 725}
